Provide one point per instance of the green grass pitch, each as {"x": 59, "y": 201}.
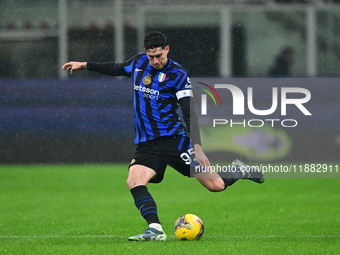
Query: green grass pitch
{"x": 88, "y": 209}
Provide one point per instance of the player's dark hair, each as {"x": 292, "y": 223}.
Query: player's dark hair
{"x": 154, "y": 39}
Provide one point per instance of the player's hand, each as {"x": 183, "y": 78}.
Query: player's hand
{"x": 201, "y": 158}
{"x": 73, "y": 66}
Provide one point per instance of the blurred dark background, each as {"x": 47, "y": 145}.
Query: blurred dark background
{"x": 47, "y": 115}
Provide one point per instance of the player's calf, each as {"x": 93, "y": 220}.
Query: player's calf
{"x": 211, "y": 181}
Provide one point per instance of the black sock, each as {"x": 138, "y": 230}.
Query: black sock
{"x": 230, "y": 177}
{"x": 145, "y": 204}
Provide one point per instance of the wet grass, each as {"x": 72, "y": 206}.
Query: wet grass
{"x": 87, "y": 209}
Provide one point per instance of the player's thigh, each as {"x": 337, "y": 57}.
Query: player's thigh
{"x": 139, "y": 175}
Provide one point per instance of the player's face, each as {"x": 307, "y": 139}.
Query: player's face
{"x": 158, "y": 57}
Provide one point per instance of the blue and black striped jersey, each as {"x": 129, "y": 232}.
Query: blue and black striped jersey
{"x": 156, "y": 95}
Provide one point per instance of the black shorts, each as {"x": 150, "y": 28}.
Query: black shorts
{"x": 175, "y": 151}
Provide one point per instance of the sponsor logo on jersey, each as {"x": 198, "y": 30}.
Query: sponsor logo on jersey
{"x": 148, "y": 92}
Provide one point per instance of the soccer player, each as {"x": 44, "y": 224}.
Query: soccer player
{"x": 160, "y": 87}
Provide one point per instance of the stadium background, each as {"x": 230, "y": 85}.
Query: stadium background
{"x": 50, "y": 116}
{"x": 66, "y": 140}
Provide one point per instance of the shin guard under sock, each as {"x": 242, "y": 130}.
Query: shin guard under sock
{"x": 145, "y": 204}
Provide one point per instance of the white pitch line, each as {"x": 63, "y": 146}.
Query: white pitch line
{"x": 115, "y": 236}
{"x": 106, "y": 236}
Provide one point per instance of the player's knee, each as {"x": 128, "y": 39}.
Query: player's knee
{"x": 139, "y": 175}
{"x": 216, "y": 186}
{"x": 130, "y": 183}
{"x": 132, "y": 180}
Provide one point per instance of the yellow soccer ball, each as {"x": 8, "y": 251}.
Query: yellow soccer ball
{"x": 189, "y": 227}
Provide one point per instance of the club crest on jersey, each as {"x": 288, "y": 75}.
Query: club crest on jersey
{"x": 161, "y": 77}
{"x": 147, "y": 80}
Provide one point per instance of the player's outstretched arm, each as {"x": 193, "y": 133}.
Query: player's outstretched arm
{"x": 73, "y": 66}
